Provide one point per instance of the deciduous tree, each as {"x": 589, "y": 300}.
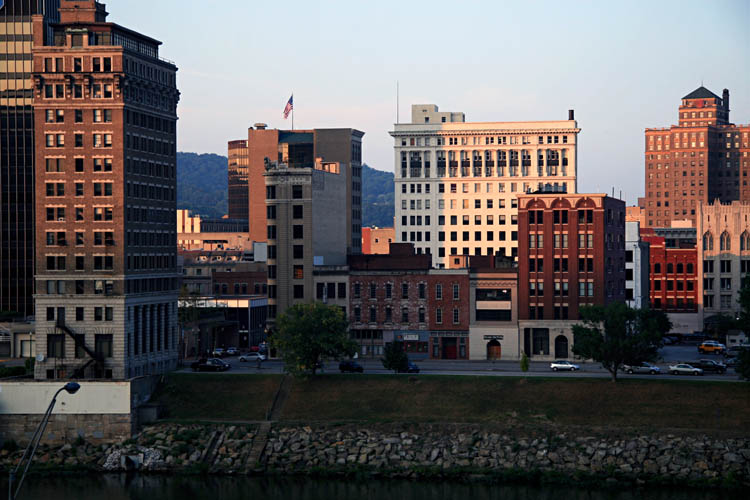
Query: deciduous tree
{"x": 394, "y": 358}
{"x": 307, "y": 333}
{"x": 617, "y": 335}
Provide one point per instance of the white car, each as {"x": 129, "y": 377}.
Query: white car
{"x": 232, "y": 351}
{"x": 252, "y": 356}
{"x": 563, "y": 365}
{"x": 684, "y": 369}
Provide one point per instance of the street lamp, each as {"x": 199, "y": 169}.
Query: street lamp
{"x": 70, "y": 388}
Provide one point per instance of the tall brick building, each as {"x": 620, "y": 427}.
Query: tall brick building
{"x": 702, "y": 158}
{"x": 106, "y": 277}
{"x": 17, "y": 149}
{"x": 574, "y": 255}
{"x": 302, "y": 149}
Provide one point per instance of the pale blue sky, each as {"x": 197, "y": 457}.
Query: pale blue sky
{"x": 622, "y": 66}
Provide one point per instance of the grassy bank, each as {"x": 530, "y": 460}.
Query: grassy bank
{"x": 642, "y": 404}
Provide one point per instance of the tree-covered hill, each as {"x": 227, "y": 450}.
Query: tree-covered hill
{"x": 202, "y": 183}
{"x": 377, "y": 197}
{"x": 202, "y": 188}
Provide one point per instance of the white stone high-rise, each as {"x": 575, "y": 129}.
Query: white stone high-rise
{"x": 456, "y": 182}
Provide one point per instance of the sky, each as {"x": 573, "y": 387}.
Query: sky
{"x": 622, "y": 66}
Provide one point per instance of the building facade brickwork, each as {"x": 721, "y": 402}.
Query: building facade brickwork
{"x": 106, "y": 275}
{"x": 702, "y": 158}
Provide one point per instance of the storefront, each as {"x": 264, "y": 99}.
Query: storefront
{"x": 449, "y": 345}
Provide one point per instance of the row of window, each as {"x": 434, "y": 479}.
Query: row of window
{"x": 62, "y": 287}
{"x": 405, "y": 315}
{"x": 102, "y": 346}
{"x": 53, "y": 189}
{"x": 79, "y": 64}
{"x": 150, "y": 262}
{"x": 560, "y": 288}
{"x": 388, "y": 288}
{"x": 57, "y": 214}
{"x": 585, "y": 265}
{"x": 58, "y": 238}
{"x": 688, "y": 268}
{"x": 725, "y": 241}
{"x": 58, "y": 90}
{"x": 150, "y": 192}
{"x": 57, "y": 140}
{"x": 418, "y": 236}
{"x": 101, "y": 262}
{"x": 679, "y": 285}
{"x": 477, "y": 140}
{"x": 416, "y": 220}
{"x": 150, "y": 145}
{"x": 57, "y": 165}
{"x": 97, "y": 115}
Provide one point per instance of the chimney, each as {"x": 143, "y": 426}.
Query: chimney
{"x": 571, "y": 114}
{"x": 725, "y": 100}
{"x": 260, "y": 126}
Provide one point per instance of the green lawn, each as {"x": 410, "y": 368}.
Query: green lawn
{"x": 642, "y": 404}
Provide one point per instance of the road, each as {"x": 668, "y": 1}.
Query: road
{"x": 669, "y": 354}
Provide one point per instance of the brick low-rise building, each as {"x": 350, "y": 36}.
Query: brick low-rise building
{"x": 399, "y": 297}
{"x": 106, "y": 260}
{"x": 574, "y": 255}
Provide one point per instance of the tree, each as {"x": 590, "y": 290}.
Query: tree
{"x": 524, "y": 362}
{"x": 394, "y": 358}
{"x": 617, "y": 335}
{"x": 306, "y": 333}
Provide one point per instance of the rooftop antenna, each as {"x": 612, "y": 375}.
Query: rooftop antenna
{"x": 397, "y": 101}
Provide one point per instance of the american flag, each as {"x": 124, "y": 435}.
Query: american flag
{"x": 289, "y": 107}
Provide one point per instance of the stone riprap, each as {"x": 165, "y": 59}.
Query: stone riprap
{"x": 390, "y": 450}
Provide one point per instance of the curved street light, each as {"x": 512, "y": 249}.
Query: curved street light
{"x": 70, "y": 388}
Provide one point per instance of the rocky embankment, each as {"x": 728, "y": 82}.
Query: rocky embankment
{"x": 389, "y": 450}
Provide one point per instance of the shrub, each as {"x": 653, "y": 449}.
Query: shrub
{"x": 524, "y": 362}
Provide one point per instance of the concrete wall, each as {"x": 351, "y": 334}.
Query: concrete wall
{"x": 329, "y": 235}
{"x": 98, "y": 412}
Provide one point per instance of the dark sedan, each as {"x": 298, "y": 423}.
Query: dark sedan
{"x": 350, "y": 367}
{"x": 410, "y": 368}
{"x": 210, "y": 365}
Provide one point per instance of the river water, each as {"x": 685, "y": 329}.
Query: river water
{"x": 121, "y": 487}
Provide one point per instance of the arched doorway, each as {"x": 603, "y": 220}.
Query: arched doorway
{"x": 561, "y": 347}
{"x": 494, "y": 350}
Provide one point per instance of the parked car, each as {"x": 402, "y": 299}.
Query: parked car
{"x": 350, "y": 366}
{"x": 711, "y": 347}
{"x": 733, "y": 351}
{"x": 642, "y": 368}
{"x": 218, "y": 352}
{"x": 684, "y": 369}
{"x": 410, "y": 368}
{"x": 562, "y": 364}
{"x": 231, "y": 351}
{"x": 252, "y": 356}
{"x": 709, "y": 365}
{"x": 210, "y": 365}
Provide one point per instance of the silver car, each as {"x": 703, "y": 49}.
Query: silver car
{"x": 252, "y": 356}
{"x": 563, "y": 365}
{"x": 642, "y": 368}
{"x": 684, "y": 369}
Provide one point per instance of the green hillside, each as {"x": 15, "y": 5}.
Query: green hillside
{"x": 202, "y": 188}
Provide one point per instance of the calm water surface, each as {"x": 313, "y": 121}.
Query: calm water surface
{"x": 121, "y": 487}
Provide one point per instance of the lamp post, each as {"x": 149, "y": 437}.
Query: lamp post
{"x": 28, "y": 454}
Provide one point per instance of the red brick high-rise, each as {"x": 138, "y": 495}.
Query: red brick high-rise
{"x": 702, "y": 158}
{"x": 106, "y": 278}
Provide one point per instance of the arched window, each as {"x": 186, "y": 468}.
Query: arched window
{"x": 745, "y": 241}
{"x": 724, "y": 242}
{"x": 708, "y": 241}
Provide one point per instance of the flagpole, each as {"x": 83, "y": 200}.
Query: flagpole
{"x": 292, "y": 110}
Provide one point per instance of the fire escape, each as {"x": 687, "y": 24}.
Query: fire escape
{"x": 78, "y": 340}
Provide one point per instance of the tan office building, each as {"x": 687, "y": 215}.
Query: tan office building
{"x": 457, "y": 182}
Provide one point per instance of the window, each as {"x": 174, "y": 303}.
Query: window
{"x": 296, "y": 191}
{"x": 439, "y": 315}
{"x": 404, "y": 315}
{"x": 455, "y": 292}
{"x": 103, "y": 345}
{"x": 298, "y": 272}
{"x": 296, "y": 211}
{"x": 373, "y": 314}
{"x": 373, "y": 290}
{"x": 357, "y": 290}
{"x": 297, "y": 232}
{"x": 55, "y": 346}
{"x": 299, "y": 291}
{"x": 388, "y": 290}
{"x": 439, "y": 291}
{"x": 455, "y": 316}
{"x": 422, "y": 290}
{"x": 404, "y": 290}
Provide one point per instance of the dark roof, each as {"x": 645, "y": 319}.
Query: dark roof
{"x": 701, "y": 93}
